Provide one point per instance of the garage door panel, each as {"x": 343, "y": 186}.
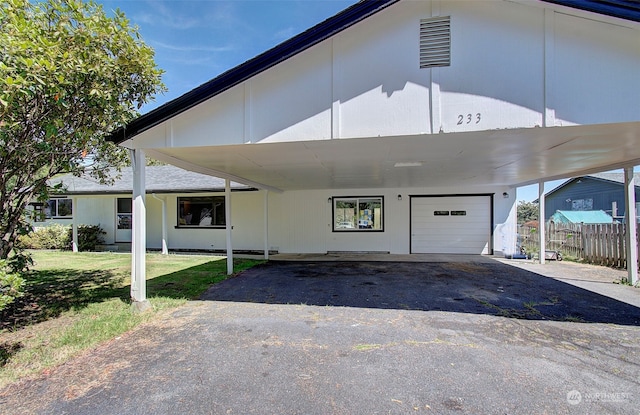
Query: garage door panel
{"x": 466, "y": 233}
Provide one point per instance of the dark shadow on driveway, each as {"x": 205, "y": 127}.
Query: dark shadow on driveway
{"x": 462, "y": 287}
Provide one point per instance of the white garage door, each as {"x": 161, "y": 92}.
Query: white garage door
{"x": 451, "y": 225}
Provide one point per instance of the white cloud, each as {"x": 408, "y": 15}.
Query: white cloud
{"x": 191, "y": 48}
{"x": 284, "y": 34}
{"x": 181, "y": 15}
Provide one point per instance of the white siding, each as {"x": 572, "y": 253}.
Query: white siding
{"x": 299, "y": 221}
{"x": 496, "y": 72}
{"x": 293, "y": 228}
{"x": 379, "y": 85}
{"x": 292, "y": 102}
{"x": 607, "y": 87}
{"x": 511, "y": 63}
{"x": 97, "y": 211}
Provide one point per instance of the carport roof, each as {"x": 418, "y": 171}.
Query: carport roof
{"x": 623, "y": 9}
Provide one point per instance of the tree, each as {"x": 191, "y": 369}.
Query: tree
{"x": 527, "y": 211}
{"x": 69, "y": 75}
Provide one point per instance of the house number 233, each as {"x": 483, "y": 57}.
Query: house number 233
{"x": 469, "y": 118}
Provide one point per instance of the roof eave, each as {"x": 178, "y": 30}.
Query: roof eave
{"x": 622, "y": 9}
{"x": 150, "y": 191}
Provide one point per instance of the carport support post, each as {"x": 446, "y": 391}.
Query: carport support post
{"x": 266, "y": 225}
{"x": 541, "y": 223}
{"x": 138, "y": 240}
{"x": 227, "y": 212}
{"x": 631, "y": 225}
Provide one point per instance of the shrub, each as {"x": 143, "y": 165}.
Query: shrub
{"x": 11, "y": 285}
{"x": 59, "y": 237}
{"x": 47, "y": 237}
{"x": 89, "y": 236}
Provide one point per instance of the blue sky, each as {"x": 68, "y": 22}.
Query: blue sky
{"x": 530, "y": 193}
{"x": 195, "y": 41}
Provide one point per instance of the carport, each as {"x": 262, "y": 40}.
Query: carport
{"x": 304, "y": 117}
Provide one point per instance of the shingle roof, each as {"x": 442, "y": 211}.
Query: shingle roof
{"x": 612, "y": 177}
{"x": 158, "y": 179}
{"x": 615, "y": 177}
{"x": 624, "y": 9}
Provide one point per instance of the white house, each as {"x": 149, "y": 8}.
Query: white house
{"x": 405, "y": 126}
{"x": 185, "y": 210}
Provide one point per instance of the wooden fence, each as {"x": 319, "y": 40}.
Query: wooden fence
{"x": 602, "y": 244}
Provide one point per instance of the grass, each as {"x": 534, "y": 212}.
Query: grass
{"x": 74, "y": 302}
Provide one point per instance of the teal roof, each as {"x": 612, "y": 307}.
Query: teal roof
{"x": 581, "y": 216}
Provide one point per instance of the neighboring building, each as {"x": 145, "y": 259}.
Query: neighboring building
{"x": 586, "y": 216}
{"x": 405, "y": 126}
{"x": 194, "y": 206}
{"x": 603, "y": 191}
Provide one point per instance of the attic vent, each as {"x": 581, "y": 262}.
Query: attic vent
{"x": 435, "y": 42}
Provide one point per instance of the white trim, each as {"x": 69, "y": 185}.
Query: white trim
{"x": 631, "y": 225}
{"x": 248, "y": 121}
{"x": 549, "y": 119}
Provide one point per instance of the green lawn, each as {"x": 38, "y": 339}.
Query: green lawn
{"x": 74, "y": 301}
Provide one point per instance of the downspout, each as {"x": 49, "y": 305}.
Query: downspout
{"x": 163, "y": 200}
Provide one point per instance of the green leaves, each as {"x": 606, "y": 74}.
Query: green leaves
{"x": 11, "y": 285}
{"x": 69, "y": 75}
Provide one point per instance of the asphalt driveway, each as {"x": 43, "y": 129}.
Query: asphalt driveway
{"x": 470, "y": 337}
{"x": 477, "y": 285}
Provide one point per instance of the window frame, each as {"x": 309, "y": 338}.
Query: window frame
{"x": 358, "y": 200}
{"x": 200, "y": 200}
{"x": 56, "y": 214}
{"x": 124, "y": 213}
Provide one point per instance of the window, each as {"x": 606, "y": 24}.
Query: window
{"x": 582, "y": 204}
{"x": 124, "y": 210}
{"x": 357, "y": 214}
{"x": 58, "y": 208}
{"x": 201, "y": 212}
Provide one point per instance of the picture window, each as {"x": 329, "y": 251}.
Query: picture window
{"x": 358, "y": 214}
{"x": 199, "y": 212}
